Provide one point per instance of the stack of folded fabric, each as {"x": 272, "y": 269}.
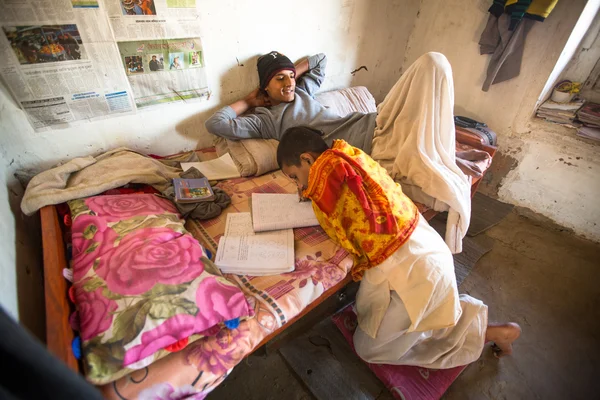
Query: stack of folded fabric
{"x": 560, "y": 113}
{"x": 589, "y": 115}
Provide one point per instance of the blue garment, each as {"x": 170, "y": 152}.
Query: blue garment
{"x": 271, "y": 122}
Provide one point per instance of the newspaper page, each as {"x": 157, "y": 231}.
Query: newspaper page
{"x": 61, "y": 62}
{"x": 164, "y": 71}
{"x": 160, "y": 48}
{"x": 153, "y": 19}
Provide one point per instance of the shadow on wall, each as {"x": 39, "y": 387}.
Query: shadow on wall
{"x": 193, "y": 127}
{"x": 382, "y": 42}
{"x": 29, "y": 265}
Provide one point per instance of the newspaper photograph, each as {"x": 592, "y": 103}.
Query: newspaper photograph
{"x": 44, "y": 43}
{"x": 153, "y": 19}
{"x": 61, "y": 62}
{"x": 138, "y": 7}
{"x": 164, "y": 71}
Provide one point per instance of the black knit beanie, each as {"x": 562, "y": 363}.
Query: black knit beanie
{"x": 270, "y": 64}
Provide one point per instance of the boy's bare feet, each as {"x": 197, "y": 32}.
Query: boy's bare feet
{"x": 502, "y": 336}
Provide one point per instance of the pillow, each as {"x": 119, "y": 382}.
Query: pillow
{"x": 346, "y": 101}
{"x": 140, "y": 283}
{"x": 259, "y": 156}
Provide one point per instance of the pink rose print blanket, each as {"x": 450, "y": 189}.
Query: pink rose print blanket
{"x": 204, "y": 364}
{"x": 142, "y": 284}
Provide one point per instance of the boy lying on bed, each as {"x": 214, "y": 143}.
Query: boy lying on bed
{"x": 408, "y": 306}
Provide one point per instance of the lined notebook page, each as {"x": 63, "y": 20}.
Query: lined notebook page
{"x": 218, "y": 169}
{"x": 281, "y": 211}
{"x": 243, "y": 252}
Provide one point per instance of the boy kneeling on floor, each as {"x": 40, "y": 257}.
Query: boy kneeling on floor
{"x": 408, "y": 306}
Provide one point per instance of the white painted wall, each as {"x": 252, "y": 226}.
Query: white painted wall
{"x": 575, "y": 58}
{"x": 351, "y": 32}
{"x": 565, "y": 193}
{"x": 586, "y": 58}
{"x": 8, "y": 258}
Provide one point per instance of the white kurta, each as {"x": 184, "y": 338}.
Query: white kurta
{"x": 409, "y": 310}
{"x": 415, "y": 142}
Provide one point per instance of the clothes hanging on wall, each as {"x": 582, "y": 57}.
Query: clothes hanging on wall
{"x": 504, "y": 35}
{"x": 518, "y": 9}
{"x": 505, "y": 63}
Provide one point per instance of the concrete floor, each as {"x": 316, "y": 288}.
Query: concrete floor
{"x": 538, "y": 275}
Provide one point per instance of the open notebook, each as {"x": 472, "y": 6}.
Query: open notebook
{"x": 281, "y": 211}
{"x": 241, "y": 251}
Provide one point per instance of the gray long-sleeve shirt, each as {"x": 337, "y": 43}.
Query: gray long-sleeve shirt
{"x": 270, "y": 123}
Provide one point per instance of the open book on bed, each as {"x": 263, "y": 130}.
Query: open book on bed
{"x": 281, "y": 211}
{"x": 241, "y": 251}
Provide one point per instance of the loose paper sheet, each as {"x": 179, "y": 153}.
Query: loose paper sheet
{"x": 217, "y": 169}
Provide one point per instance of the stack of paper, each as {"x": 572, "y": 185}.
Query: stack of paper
{"x": 215, "y": 170}
{"x": 590, "y": 115}
{"x": 243, "y": 252}
{"x": 589, "y": 132}
{"x": 560, "y": 113}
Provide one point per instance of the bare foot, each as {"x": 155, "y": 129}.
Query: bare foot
{"x": 503, "y": 335}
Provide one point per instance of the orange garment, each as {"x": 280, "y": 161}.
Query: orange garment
{"x": 146, "y": 6}
{"x": 359, "y": 205}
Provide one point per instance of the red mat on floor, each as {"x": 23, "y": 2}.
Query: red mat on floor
{"x": 404, "y": 382}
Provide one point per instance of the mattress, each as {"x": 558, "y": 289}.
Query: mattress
{"x": 204, "y": 364}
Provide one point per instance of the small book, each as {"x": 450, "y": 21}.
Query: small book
{"x": 215, "y": 170}
{"x": 192, "y": 190}
{"x": 281, "y": 211}
{"x": 241, "y": 251}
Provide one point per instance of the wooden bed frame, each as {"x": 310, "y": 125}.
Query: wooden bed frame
{"x": 59, "y": 334}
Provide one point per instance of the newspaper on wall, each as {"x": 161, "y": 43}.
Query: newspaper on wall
{"x": 67, "y": 61}
{"x": 164, "y": 71}
{"x": 61, "y": 61}
{"x": 153, "y": 19}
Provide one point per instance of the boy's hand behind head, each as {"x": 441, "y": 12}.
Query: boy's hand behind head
{"x": 257, "y": 98}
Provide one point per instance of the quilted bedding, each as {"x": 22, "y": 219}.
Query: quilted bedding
{"x": 204, "y": 364}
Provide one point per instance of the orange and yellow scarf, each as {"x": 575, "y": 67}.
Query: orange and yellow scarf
{"x": 359, "y": 205}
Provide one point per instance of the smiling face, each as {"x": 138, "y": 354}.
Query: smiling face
{"x": 281, "y": 88}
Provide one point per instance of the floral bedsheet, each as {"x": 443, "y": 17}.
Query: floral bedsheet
{"x": 140, "y": 283}
{"x": 201, "y": 366}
